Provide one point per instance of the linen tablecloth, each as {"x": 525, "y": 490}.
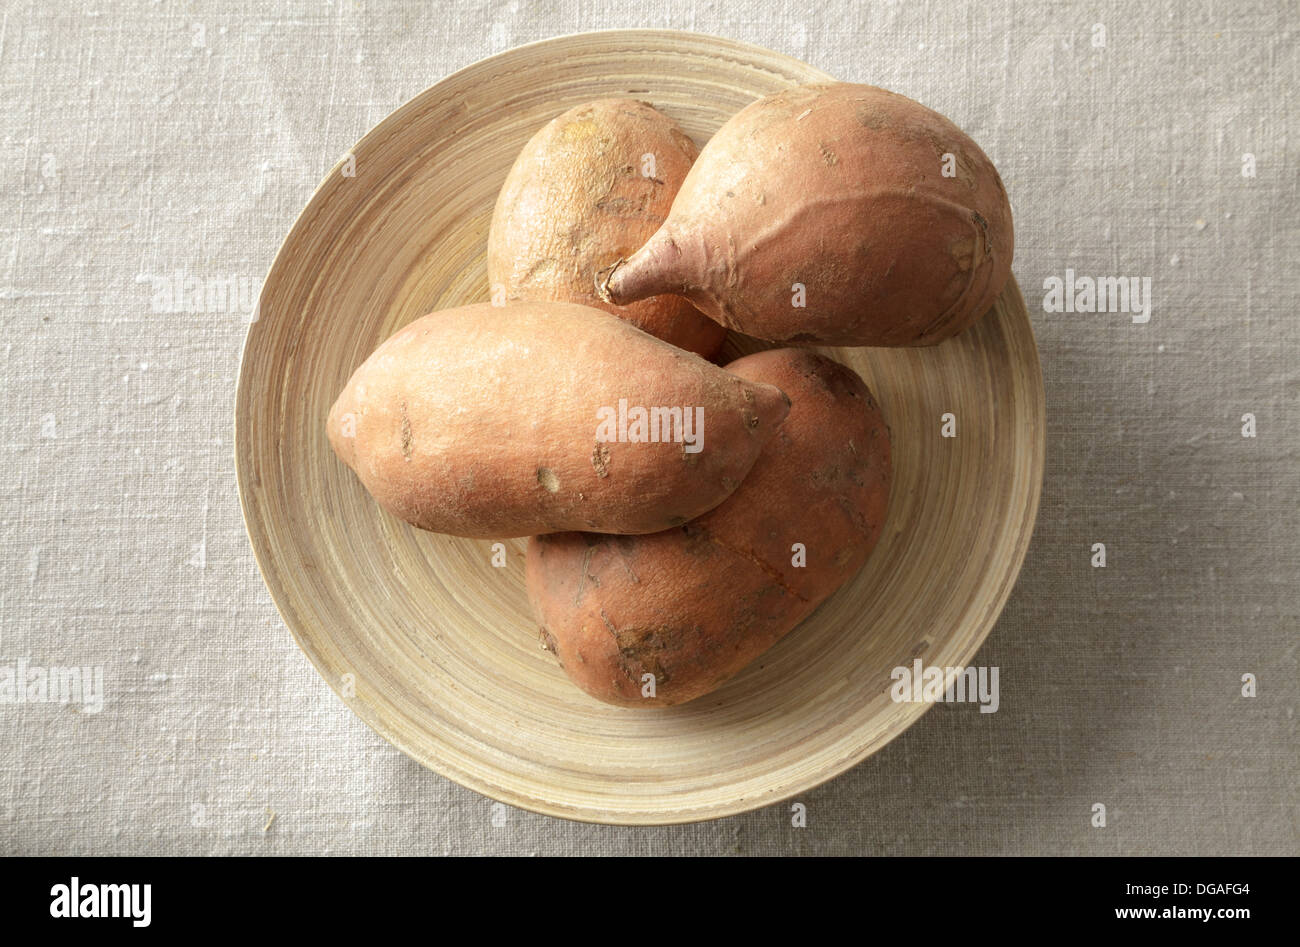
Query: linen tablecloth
{"x": 143, "y": 141}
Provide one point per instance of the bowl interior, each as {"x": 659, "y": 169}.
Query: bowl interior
{"x": 430, "y": 640}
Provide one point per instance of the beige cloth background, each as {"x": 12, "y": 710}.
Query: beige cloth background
{"x": 145, "y": 138}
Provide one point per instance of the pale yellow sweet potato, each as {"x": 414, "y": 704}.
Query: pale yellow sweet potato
{"x": 591, "y": 186}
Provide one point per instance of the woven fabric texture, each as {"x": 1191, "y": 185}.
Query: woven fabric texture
{"x": 1159, "y": 141}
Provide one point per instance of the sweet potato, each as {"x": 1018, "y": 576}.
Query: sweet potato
{"x": 833, "y": 214}
{"x": 490, "y": 422}
{"x": 593, "y": 185}
{"x": 693, "y": 605}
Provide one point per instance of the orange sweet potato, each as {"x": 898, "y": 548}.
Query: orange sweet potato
{"x": 490, "y": 422}
{"x": 833, "y": 214}
{"x": 593, "y": 185}
{"x": 695, "y": 604}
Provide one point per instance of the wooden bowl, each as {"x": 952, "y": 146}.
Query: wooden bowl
{"x": 434, "y": 646}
